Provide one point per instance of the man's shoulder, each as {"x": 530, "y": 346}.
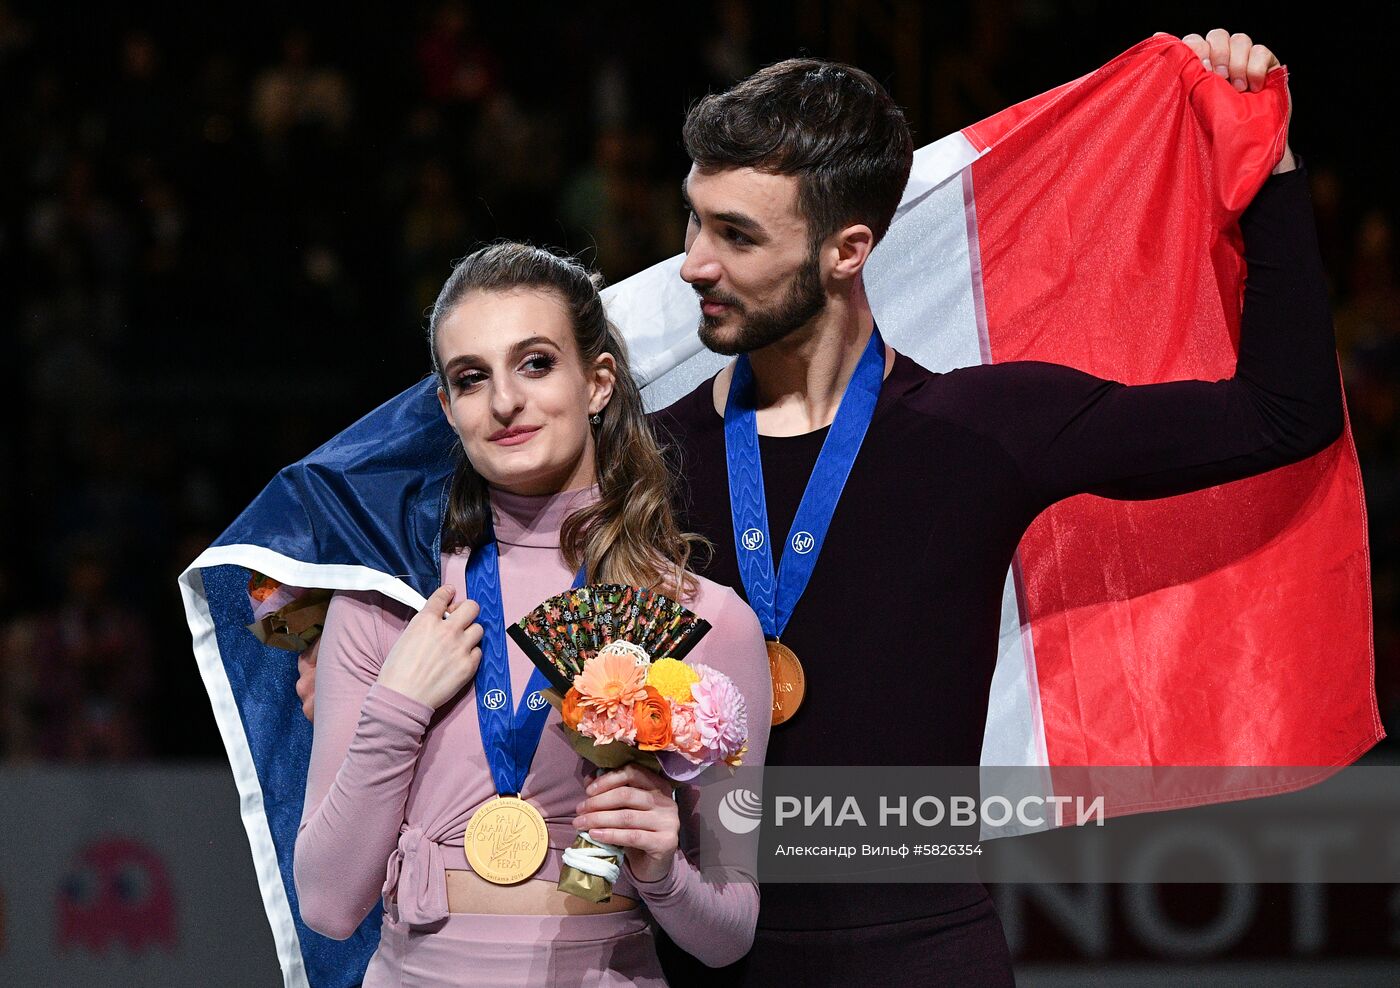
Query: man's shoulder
{"x": 688, "y": 413}
{"x": 911, "y": 389}
{"x": 960, "y": 391}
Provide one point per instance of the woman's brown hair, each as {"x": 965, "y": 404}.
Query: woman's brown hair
{"x": 630, "y": 534}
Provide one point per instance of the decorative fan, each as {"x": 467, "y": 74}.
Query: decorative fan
{"x": 567, "y": 630}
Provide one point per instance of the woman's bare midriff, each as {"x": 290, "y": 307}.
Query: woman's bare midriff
{"x": 468, "y": 892}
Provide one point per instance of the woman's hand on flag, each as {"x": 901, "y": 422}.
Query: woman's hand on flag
{"x": 438, "y": 653}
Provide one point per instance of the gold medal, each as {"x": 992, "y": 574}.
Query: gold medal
{"x": 506, "y": 840}
{"x": 789, "y": 681}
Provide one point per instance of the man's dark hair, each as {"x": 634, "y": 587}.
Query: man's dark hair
{"x": 831, "y": 125}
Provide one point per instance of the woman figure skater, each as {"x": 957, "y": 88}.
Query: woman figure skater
{"x": 561, "y": 472}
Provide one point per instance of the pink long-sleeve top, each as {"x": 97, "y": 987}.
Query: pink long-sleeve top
{"x": 392, "y": 783}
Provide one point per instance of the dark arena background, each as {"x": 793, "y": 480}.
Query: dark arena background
{"x": 219, "y": 229}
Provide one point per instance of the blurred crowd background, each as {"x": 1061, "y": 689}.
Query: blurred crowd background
{"x": 219, "y": 230}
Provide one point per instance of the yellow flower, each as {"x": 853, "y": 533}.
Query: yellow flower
{"x": 672, "y": 678}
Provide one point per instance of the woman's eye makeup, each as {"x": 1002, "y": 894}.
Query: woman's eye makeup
{"x": 540, "y": 363}
{"x": 535, "y": 364}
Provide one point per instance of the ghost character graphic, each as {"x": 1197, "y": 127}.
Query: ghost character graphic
{"x": 116, "y": 889}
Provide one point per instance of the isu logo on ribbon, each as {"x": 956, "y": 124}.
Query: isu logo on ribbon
{"x": 753, "y": 539}
{"x": 803, "y": 543}
{"x": 494, "y": 699}
{"x": 536, "y": 700}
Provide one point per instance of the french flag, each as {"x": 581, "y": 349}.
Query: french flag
{"x": 1252, "y": 599}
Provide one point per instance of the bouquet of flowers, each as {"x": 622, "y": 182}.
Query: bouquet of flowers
{"x": 691, "y": 716}
{"x": 614, "y": 655}
{"x": 284, "y": 616}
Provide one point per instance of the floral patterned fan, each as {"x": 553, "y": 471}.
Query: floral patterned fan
{"x": 567, "y": 630}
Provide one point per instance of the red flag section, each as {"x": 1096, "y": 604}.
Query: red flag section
{"x": 1228, "y": 627}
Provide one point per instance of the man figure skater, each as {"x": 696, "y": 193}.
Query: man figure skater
{"x": 900, "y": 522}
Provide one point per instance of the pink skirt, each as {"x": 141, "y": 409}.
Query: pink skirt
{"x": 608, "y": 950}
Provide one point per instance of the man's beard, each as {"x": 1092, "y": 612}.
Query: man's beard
{"x": 757, "y": 328}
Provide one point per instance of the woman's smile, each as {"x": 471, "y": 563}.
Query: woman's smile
{"x": 514, "y": 436}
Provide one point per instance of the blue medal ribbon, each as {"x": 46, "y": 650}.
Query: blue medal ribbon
{"x": 510, "y": 734}
{"x": 773, "y": 597}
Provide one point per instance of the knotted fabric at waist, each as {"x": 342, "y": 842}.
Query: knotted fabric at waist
{"x": 415, "y": 878}
{"x": 416, "y": 872}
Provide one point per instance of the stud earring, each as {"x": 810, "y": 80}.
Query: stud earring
{"x": 596, "y": 418}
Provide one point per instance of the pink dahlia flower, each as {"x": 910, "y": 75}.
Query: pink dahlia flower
{"x": 720, "y": 713}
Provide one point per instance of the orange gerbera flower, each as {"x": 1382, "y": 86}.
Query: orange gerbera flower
{"x": 610, "y": 680}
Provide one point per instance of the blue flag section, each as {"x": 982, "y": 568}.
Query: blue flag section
{"x": 279, "y": 742}
{"x": 371, "y": 497}
{"x": 362, "y": 512}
